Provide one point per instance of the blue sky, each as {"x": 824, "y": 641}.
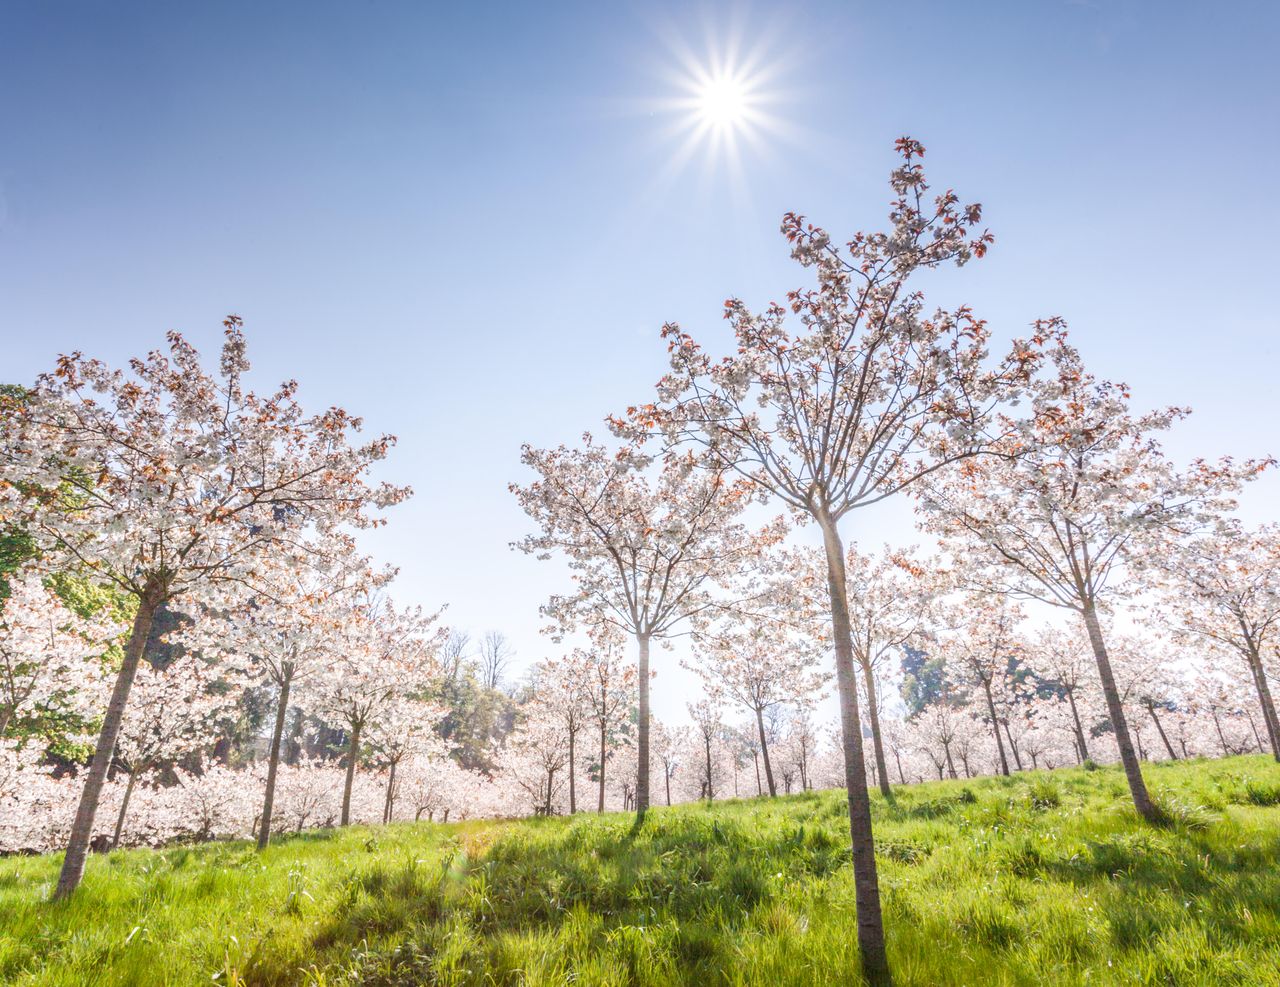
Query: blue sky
{"x": 468, "y": 222}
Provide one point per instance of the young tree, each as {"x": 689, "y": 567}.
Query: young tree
{"x": 869, "y": 396}
{"x": 173, "y": 711}
{"x": 760, "y": 664}
{"x": 286, "y": 632}
{"x": 1082, "y": 488}
{"x": 1224, "y": 589}
{"x": 982, "y": 650}
{"x": 889, "y": 600}
{"x": 380, "y": 655}
{"x": 1065, "y": 657}
{"x": 608, "y": 681}
{"x": 647, "y": 552}
{"x": 404, "y": 728}
{"x": 562, "y": 693}
{"x": 708, "y": 731}
{"x": 166, "y": 480}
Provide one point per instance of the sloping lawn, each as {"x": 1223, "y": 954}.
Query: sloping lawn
{"x": 1037, "y": 879}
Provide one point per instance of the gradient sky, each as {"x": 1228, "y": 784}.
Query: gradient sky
{"x": 467, "y": 222}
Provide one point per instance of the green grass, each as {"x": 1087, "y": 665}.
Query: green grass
{"x": 1037, "y": 879}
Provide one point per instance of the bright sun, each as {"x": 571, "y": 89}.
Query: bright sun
{"x": 723, "y": 102}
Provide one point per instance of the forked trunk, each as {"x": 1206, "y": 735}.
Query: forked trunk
{"x": 273, "y": 759}
{"x": 82, "y": 827}
{"x": 871, "y": 946}
{"x": 1115, "y": 710}
{"x": 642, "y": 729}
{"x": 353, "y": 755}
{"x": 764, "y": 752}
{"x": 877, "y": 743}
{"x": 124, "y": 807}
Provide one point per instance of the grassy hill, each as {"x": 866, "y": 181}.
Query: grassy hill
{"x": 1036, "y": 879}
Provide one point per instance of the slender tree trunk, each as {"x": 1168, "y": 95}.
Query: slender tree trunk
{"x": 1151, "y": 708}
{"x": 603, "y": 735}
{"x": 897, "y": 756}
{"x": 877, "y": 743}
{"x": 1142, "y": 754}
{"x": 1217, "y": 725}
{"x": 573, "y": 786}
{"x": 1269, "y": 719}
{"x": 711, "y": 795}
{"x": 871, "y": 945}
{"x": 995, "y": 726}
{"x": 1081, "y": 746}
{"x": 951, "y": 765}
{"x": 1115, "y": 710}
{"x": 755, "y": 756}
{"x": 667, "y": 775}
{"x": 764, "y": 751}
{"x": 124, "y": 807}
{"x": 642, "y": 730}
{"x": 551, "y": 778}
{"x": 1013, "y": 748}
{"x": 1254, "y": 727}
{"x": 389, "y": 804}
{"x": 353, "y": 755}
{"x": 82, "y": 827}
{"x": 273, "y": 758}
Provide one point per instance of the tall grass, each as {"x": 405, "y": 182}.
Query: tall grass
{"x": 1036, "y": 879}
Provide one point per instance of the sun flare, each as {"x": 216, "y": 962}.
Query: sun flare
{"x": 723, "y": 102}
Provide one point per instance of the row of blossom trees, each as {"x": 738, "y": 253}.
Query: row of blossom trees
{"x": 224, "y": 522}
{"x": 852, "y": 392}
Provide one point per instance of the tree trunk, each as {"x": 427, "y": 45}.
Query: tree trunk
{"x": 764, "y": 751}
{"x": 1013, "y": 748}
{"x": 551, "y": 778}
{"x": 877, "y": 744}
{"x": 898, "y": 758}
{"x": 1151, "y": 708}
{"x": 389, "y": 803}
{"x": 951, "y": 765}
{"x": 273, "y": 759}
{"x": 871, "y": 945}
{"x": 995, "y": 726}
{"x": 124, "y": 807}
{"x": 1217, "y": 725}
{"x": 1259, "y": 672}
{"x": 666, "y": 773}
{"x": 642, "y": 730}
{"x": 755, "y": 756}
{"x": 82, "y": 828}
{"x": 5, "y": 717}
{"x": 1115, "y": 710}
{"x": 603, "y": 735}
{"x": 1082, "y": 746}
{"x": 353, "y": 755}
{"x": 711, "y": 795}
{"x": 573, "y": 786}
